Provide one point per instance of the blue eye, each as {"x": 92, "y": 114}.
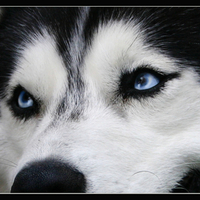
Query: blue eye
{"x": 145, "y": 81}
{"x": 23, "y": 105}
{"x": 24, "y": 100}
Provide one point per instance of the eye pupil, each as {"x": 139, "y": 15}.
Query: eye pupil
{"x": 24, "y": 100}
{"x": 141, "y": 80}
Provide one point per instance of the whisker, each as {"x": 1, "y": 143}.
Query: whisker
{"x": 179, "y": 189}
{"x": 145, "y": 171}
{"x": 9, "y": 162}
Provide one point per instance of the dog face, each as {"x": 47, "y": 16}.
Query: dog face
{"x": 99, "y": 100}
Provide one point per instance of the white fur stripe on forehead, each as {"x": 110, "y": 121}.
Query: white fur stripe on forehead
{"x": 119, "y": 45}
{"x": 40, "y": 69}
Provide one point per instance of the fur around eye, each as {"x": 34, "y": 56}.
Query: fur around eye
{"x": 23, "y": 104}
{"x": 143, "y": 82}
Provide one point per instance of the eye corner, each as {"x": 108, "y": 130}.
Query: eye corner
{"x": 18, "y": 110}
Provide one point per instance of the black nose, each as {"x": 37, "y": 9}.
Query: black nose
{"x": 49, "y": 176}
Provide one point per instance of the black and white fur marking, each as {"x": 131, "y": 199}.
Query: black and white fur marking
{"x": 100, "y": 100}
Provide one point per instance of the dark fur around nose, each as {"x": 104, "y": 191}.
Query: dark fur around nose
{"x": 49, "y": 176}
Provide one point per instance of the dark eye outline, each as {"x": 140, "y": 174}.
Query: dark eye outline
{"x": 127, "y": 83}
{"x": 19, "y": 112}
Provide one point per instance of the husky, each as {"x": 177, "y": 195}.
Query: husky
{"x": 99, "y": 100}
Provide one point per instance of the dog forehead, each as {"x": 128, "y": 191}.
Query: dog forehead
{"x": 119, "y": 46}
{"x": 40, "y": 69}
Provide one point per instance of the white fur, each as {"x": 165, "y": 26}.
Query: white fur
{"x": 135, "y": 146}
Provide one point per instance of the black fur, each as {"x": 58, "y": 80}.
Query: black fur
{"x": 174, "y": 31}
{"x": 189, "y": 183}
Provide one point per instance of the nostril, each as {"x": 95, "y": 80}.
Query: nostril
{"x": 49, "y": 176}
